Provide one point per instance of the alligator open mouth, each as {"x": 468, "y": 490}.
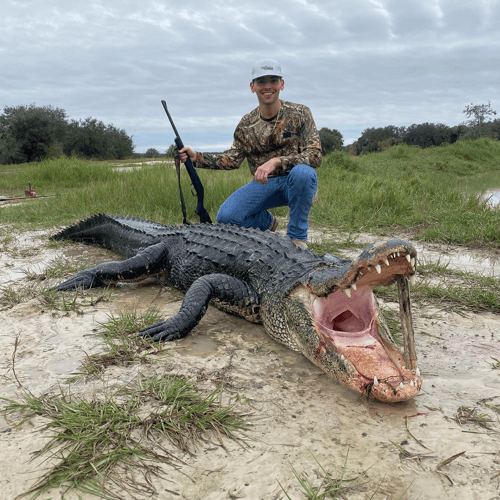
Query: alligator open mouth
{"x": 353, "y": 332}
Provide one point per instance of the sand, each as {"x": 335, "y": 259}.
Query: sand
{"x": 301, "y": 418}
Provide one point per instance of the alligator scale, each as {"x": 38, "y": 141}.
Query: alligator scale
{"x": 321, "y": 306}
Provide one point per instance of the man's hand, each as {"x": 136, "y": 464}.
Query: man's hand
{"x": 186, "y": 152}
{"x": 262, "y": 173}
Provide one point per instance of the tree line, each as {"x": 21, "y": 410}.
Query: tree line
{"x": 425, "y": 135}
{"x": 34, "y": 133}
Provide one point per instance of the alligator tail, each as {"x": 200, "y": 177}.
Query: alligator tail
{"x": 124, "y": 235}
{"x": 84, "y": 231}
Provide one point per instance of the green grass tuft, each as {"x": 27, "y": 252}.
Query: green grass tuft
{"x": 122, "y": 344}
{"x": 104, "y": 446}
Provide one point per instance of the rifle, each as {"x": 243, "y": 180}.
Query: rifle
{"x": 200, "y": 210}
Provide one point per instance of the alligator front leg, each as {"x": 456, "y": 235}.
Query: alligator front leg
{"x": 232, "y": 293}
{"x": 151, "y": 260}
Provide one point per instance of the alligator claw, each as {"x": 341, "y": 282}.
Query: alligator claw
{"x": 161, "y": 332}
{"x": 83, "y": 279}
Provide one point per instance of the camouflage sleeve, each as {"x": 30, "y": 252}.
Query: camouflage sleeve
{"x": 228, "y": 160}
{"x": 309, "y": 148}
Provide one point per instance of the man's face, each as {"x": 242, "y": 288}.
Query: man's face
{"x": 267, "y": 88}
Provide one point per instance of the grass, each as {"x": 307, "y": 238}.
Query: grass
{"x": 424, "y": 191}
{"x": 450, "y": 289}
{"x": 122, "y": 344}
{"x": 10, "y": 296}
{"x": 59, "y": 267}
{"x": 458, "y": 290}
{"x": 495, "y": 364}
{"x": 110, "y": 447}
{"x": 328, "y": 488}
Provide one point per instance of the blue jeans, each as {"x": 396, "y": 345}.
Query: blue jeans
{"x": 248, "y": 206}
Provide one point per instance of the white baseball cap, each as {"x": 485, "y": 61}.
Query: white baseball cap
{"x": 266, "y": 67}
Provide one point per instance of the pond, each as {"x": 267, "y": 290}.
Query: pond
{"x": 493, "y": 197}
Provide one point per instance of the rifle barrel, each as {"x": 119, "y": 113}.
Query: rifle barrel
{"x": 171, "y": 122}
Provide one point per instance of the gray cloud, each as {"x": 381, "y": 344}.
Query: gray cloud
{"x": 357, "y": 64}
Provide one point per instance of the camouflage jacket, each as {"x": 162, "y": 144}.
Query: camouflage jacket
{"x": 291, "y": 136}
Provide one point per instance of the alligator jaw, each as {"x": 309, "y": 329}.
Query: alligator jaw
{"x": 353, "y": 343}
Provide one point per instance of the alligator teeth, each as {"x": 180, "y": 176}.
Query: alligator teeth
{"x": 401, "y": 386}
{"x": 399, "y": 254}
{"x": 417, "y": 372}
{"x": 354, "y": 286}
{"x": 408, "y": 258}
{"x": 347, "y": 291}
{"x": 413, "y": 262}
{"x": 387, "y": 262}
{"x": 376, "y": 383}
{"x": 342, "y": 358}
{"x": 412, "y": 280}
{"x": 316, "y": 305}
{"x": 412, "y": 384}
{"x": 378, "y": 268}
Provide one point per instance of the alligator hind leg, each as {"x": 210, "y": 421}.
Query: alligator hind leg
{"x": 231, "y": 292}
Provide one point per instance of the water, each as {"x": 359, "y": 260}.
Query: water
{"x": 493, "y": 197}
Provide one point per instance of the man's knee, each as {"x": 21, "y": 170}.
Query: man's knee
{"x": 229, "y": 213}
{"x": 305, "y": 175}
{"x": 225, "y": 215}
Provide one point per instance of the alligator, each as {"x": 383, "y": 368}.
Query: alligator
{"x": 321, "y": 306}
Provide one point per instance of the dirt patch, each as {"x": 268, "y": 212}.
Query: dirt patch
{"x": 129, "y": 167}
{"x": 301, "y": 417}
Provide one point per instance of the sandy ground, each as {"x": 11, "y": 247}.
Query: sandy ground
{"x": 301, "y": 417}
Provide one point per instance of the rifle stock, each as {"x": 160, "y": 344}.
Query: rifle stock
{"x": 200, "y": 210}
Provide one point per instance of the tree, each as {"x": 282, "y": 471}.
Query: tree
{"x": 170, "y": 152}
{"x": 479, "y": 124}
{"x": 31, "y": 133}
{"x": 152, "y": 153}
{"x": 373, "y": 139}
{"x": 121, "y": 144}
{"x": 88, "y": 139}
{"x": 426, "y": 135}
{"x": 91, "y": 138}
{"x": 479, "y": 112}
{"x": 331, "y": 140}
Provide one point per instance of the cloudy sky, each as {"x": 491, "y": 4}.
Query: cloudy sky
{"x": 357, "y": 64}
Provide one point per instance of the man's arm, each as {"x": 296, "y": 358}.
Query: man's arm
{"x": 262, "y": 173}
{"x": 229, "y": 160}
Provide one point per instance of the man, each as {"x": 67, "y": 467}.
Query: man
{"x": 280, "y": 141}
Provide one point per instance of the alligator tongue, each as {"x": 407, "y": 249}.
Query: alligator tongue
{"x": 368, "y": 355}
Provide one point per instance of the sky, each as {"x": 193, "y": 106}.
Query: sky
{"x": 357, "y": 64}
